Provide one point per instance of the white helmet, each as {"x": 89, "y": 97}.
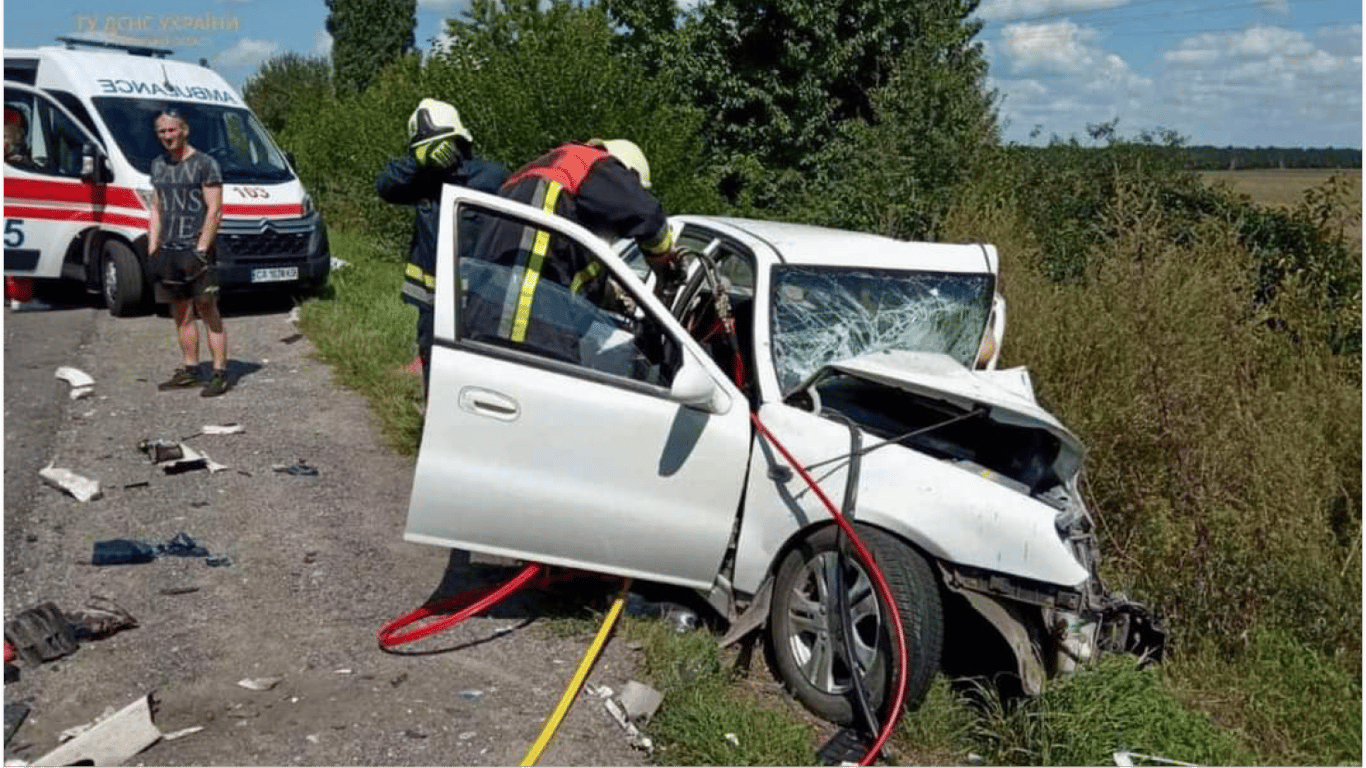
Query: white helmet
{"x": 435, "y": 120}
{"x": 630, "y": 156}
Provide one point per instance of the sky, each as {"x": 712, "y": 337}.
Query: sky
{"x": 1220, "y": 72}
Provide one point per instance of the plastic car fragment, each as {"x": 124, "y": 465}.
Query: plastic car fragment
{"x": 80, "y": 381}
{"x": 79, "y": 486}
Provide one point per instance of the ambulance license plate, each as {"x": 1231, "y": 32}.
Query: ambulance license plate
{"x": 274, "y": 274}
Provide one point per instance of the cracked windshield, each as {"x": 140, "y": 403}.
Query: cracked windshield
{"x": 824, "y": 314}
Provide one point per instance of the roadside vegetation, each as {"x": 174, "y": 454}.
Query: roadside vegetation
{"x": 1206, "y": 347}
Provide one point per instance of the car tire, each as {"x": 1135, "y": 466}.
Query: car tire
{"x": 123, "y": 286}
{"x": 809, "y": 660}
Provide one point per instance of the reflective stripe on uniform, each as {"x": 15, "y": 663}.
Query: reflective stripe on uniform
{"x": 660, "y": 245}
{"x": 415, "y": 273}
{"x": 418, "y": 293}
{"x": 535, "y": 258}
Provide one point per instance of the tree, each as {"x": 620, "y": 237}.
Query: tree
{"x": 285, "y": 84}
{"x": 780, "y": 77}
{"x": 368, "y": 35}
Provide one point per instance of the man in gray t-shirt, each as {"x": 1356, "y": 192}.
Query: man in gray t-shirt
{"x": 187, "y": 204}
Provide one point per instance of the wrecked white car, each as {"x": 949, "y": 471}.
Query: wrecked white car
{"x": 869, "y": 358}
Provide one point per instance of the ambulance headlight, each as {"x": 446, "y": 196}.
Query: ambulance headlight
{"x": 308, "y": 205}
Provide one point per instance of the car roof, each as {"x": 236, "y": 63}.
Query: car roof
{"x": 807, "y": 244}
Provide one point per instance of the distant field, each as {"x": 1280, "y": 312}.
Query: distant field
{"x": 1280, "y": 187}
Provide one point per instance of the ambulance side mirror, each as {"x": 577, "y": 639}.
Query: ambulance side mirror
{"x": 94, "y": 165}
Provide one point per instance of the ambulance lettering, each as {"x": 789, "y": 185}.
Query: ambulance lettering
{"x": 165, "y": 89}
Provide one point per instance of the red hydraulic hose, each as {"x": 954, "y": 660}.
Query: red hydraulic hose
{"x": 467, "y": 604}
{"x": 879, "y": 581}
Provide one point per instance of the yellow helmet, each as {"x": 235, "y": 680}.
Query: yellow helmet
{"x": 630, "y": 156}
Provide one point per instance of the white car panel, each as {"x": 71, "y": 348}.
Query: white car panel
{"x": 539, "y": 462}
{"x": 949, "y": 512}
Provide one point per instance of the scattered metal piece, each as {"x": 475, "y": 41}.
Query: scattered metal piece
{"x": 110, "y": 741}
{"x": 179, "y": 590}
{"x": 414, "y": 734}
{"x": 467, "y": 735}
{"x": 162, "y": 450}
{"x": 471, "y": 694}
{"x": 217, "y": 561}
{"x": 139, "y": 484}
{"x": 312, "y": 738}
{"x": 259, "y": 683}
{"x": 82, "y": 488}
{"x": 173, "y": 735}
{"x": 640, "y": 701}
{"x": 221, "y": 429}
{"x": 80, "y": 381}
{"x": 343, "y": 671}
{"x": 733, "y": 739}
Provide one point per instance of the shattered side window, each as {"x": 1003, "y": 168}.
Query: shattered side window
{"x": 825, "y": 314}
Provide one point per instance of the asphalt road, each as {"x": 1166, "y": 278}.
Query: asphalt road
{"x": 318, "y": 565}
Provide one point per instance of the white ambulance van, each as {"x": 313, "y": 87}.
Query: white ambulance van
{"x": 79, "y": 145}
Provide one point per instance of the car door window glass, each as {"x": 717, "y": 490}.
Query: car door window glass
{"x": 63, "y": 138}
{"x": 19, "y": 124}
{"x": 532, "y": 291}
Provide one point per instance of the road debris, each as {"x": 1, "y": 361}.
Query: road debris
{"x": 41, "y": 633}
{"x": 733, "y": 739}
{"x": 99, "y": 618}
{"x": 640, "y": 701}
{"x": 80, "y": 381}
{"x": 173, "y": 735}
{"x": 15, "y": 713}
{"x": 111, "y": 740}
{"x": 80, "y": 487}
{"x": 298, "y": 469}
{"x": 221, "y": 429}
{"x": 131, "y": 552}
{"x": 1128, "y": 759}
{"x": 259, "y": 683}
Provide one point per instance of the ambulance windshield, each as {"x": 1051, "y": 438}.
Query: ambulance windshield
{"x": 231, "y": 135}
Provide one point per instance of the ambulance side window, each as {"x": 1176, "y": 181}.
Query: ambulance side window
{"x": 18, "y": 129}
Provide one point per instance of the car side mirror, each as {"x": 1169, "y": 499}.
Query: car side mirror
{"x": 94, "y": 168}
{"x": 289, "y": 158}
{"x": 694, "y": 388}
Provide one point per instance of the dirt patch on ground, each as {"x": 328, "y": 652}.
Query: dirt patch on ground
{"x": 318, "y": 565}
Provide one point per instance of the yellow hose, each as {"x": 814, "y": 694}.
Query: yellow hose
{"x": 575, "y": 683}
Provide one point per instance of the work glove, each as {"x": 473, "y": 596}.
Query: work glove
{"x": 438, "y": 153}
{"x": 669, "y": 275}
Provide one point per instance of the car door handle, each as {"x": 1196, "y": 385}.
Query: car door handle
{"x": 486, "y": 402}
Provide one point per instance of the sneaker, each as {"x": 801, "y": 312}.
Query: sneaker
{"x": 218, "y": 384}
{"x": 183, "y": 377}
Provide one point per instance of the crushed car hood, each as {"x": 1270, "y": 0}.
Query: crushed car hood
{"x": 1008, "y": 395}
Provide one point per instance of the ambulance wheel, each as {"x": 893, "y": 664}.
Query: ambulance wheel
{"x": 810, "y": 660}
{"x": 125, "y": 290}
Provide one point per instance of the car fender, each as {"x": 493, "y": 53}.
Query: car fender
{"x": 948, "y": 512}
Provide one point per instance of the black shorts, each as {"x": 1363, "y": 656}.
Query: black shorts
{"x": 179, "y": 274}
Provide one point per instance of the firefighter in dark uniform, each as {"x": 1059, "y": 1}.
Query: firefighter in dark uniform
{"x": 440, "y": 152}
{"x": 604, "y": 187}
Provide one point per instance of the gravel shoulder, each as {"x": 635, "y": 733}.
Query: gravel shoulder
{"x": 318, "y": 565}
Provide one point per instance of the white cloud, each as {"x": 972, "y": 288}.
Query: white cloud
{"x": 1057, "y": 47}
{"x": 1265, "y": 85}
{"x": 323, "y": 45}
{"x": 248, "y": 53}
{"x": 997, "y": 10}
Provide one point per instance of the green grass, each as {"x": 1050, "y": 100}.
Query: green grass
{"x": 366, "y": 333}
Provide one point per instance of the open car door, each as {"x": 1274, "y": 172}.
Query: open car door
{"x": 570, "y": 427}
